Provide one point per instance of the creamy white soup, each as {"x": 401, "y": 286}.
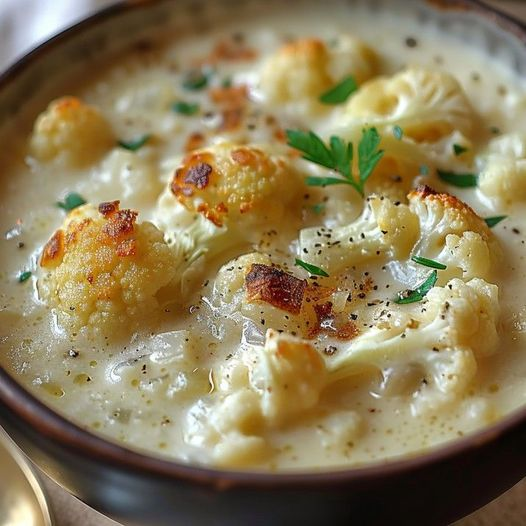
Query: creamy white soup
{"x": 291, "y": 240}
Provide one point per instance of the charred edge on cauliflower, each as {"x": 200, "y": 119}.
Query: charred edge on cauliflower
{"x": 328, "y": 322}
{"x": 274, "y": 286}
{"x": 451, "y": 202}
{"x": 204, "y": 182}
{"x": 117, "y": 230}
{"x": 53, "y": 251}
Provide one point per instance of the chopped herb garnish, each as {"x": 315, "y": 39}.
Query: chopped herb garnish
{"x": 461, "y": 180}
{"x": 195, "y": 80}
{"x": 311, "y": 269}
{"x": 398, "y": 132}
{"x": 318, "y": 208}
{"x": 424, "y": 169}
{"x": 71, "y": 201}
{"x": 338, "y": 156}
{"x": 412, "y": 296}
{"x": 24, "y": 276}
{"x": 226, "y": 82}
{"x": 429, "y": 263}
{"x": 135, "y": 144}
{"x": 341, "y": 92}
{"x": 495, "y": 220}
{"x": 459, "y": 149}
{"x": 368, "y": 154}
{"x": 495, "y": 130}
{"x": 185, "y": 108}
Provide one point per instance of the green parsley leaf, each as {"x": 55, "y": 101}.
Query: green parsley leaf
{"x": 195, "y": 80}
{"x": 312, "y": 147}
{"x": 338, "y": 156}
{"x": 24, "y": 276}
{"x": 185, "y": 108}
{"x": 313, "y": 180}
{"x": 460, "y": 180}
{"x": 459, "y": 149}
{"x": 495, "y": 220}
{"x": 341, "y": 92}
{"x": 71, "y": 201}
{"x": 429, "y": 263}
{"x": 398, "y": 132}
{"x": 135, "y": 144}
{"x": 226, "y": 82}
{"x": 368, "y": 154}
{"x": 412, "y": 296}
{"x": 342, "y": 155}
{"x": 311, "y": 269}
{"x": 424, "y": 169}
{"x": 318, "y": 208}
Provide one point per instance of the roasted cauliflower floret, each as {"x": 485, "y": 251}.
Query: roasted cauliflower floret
{"x": 428, "y": 105}
{"x": 71, "y": 131}
{"x": 258, "y": 293}
{"x": 227, "y": 181}
{"x": 442, "y": 335}
{"x": 503, "y": 175}
{"x": 306, "y": 68}
{"x": 453, "y": 234}
{"x": 224, "y": 195}
{"x": 102, "y": 270}
{"x": 384, "y": 230}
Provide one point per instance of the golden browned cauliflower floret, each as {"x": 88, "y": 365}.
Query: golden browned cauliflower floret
{"x": 307, "y": 67}
{"x": 71, "y": 131}
{"x": 227, "y": 181}
{"x": 103, "y": 270}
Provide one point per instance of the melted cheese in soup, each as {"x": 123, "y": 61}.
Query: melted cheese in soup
{"x": 210, "y": 302}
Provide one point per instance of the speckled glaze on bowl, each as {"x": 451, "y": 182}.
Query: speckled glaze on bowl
{"x": 434, "y": 488}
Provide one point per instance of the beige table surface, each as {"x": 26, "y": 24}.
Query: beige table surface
{"x": 508, "y": 510}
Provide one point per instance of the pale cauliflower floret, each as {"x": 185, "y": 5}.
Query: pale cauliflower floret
{"x": 395, "y": 174}
{"x": 268, "y": 387}
{"x": 453, "y": 234}
{"x": 228, "y": 430}
{"x": 306, "y": 68}
{"x": 470, "y": 253}
{"x": 428, "y": 105}
{"x": 502, "y": 178}
{"x": 103, "y": 270}
{"x": 384, "y": 230}
{"x": 288, "y": 374}
{"x": 131, "y": 175}
{"x": 443, "y": 335}
{"x": 71, "y": 131}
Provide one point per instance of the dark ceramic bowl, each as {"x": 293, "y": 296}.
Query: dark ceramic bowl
{"x": 433, "y": 488}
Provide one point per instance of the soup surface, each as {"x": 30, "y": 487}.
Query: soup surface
{"x": 293, "y": 239}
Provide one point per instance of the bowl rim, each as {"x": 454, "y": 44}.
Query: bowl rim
{"x": 77, "y": 439}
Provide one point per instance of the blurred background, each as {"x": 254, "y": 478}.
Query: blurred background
{"x": 26, "y": 23}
